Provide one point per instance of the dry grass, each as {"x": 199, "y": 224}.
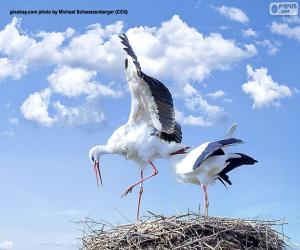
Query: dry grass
{"x": 188, "y": 231}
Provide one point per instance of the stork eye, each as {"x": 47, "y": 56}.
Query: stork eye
{"x": 126, "y": 63}
{"x": 93, "y": 159}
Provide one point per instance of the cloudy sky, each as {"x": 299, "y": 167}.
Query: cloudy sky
{"x": 63, "y": 90}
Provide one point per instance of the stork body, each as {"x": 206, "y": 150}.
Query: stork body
{"x": 151, "y": 131}
{"x": 209, "y": 162}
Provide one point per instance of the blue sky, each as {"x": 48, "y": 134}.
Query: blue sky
{"x": 63, "y": 90}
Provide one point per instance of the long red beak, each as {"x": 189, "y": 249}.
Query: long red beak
{"x": 98, "y": 173}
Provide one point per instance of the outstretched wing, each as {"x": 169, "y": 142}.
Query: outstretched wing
{"x": 214, "y": 148}
{"x": 151, "y": 99}
{"x": 129, "y": 50}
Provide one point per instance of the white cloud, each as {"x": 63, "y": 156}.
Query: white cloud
{"x": 291, "y": 19}
{"x": 89, "y": 112}
{"x": 263, "y": 89}
{"x": 233, "y": 14}
{"x": 73, "y": 82}
{"x": 249, "y": 32}
{"x": 217, "y": 94}
{"x": 272, "y": 46}
{"x": 17, "y": 41}
{"x": 92, "y": 49}
{"x": 6, "y": 245}
{"x": 9, "y": 68}
{"x": 192, "y": 120}
{"x": 195, "y": 102}
{"x": 172, "y": 51}
{"x": 35, "y": 108}
{"x": 181, "y": 53}
{"x": 166, "y": 50}
{"x": 285, "y": 30}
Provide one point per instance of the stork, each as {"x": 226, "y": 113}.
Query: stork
{"x": 210, "y": 162}
{"x": 151, "y": 131}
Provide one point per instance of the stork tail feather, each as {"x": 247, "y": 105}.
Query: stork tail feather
{"x": 233, "y": 163}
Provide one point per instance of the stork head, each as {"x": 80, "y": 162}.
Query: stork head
{"x": 94, "y": 156}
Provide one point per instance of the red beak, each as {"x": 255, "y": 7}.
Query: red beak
{"x": 98, "y": 173}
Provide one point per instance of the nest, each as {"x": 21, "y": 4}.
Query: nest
{"x": 188, "y": 231}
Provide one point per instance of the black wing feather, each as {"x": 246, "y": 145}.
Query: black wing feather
{"x": 129, "y": 50}
{"x": 233, "y": 163}
{"x": 160, "y": 93}
{"x": 212, "y": 148}
{"x": 176, "y": 136}
{"x": 164, "y": 102}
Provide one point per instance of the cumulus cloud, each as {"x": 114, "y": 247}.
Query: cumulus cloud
{"x": 181, "y": 53}
{"x": 217, "y": 94}
{"x": 272, "y": 46}
{"x": 263, "y": 89}
{"x": 9, "y": 68}
{"x": 233, "y": 13}
{"x": 98, "y": 48}
{"x": 192, "y": 120}
{"x": 285, "y": 30}
{"x": 208, "y": 114}
{"x": 73, "y": 82}
{"x": 173, "y": 52}
{"x": 249, "y": 32}
{"x": 164, "y": 50}
{"x": 6, "y": 245}
{"x": 291, "y": 19}
{"x": 35, "y": 108}
{"x": 87, "y": 113}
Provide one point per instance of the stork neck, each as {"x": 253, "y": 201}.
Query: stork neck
{"x": 104, "y": 149}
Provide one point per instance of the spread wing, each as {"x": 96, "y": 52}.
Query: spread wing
{"x": 151, "y": 100}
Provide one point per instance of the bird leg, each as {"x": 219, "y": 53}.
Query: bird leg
{"x": 140, "y": 197}
{"x": 155, "y": 172}
{"x": 206, "y": 203}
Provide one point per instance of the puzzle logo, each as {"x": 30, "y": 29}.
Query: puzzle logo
{"x": 283, "y": 8}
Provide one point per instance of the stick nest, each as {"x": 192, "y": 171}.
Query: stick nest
{"x": 188, "y": 231}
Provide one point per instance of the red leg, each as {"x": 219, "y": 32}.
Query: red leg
{"x": 206, "y": 203}
{"x": 155, "y": 172}
{"x": 140, "y": 197}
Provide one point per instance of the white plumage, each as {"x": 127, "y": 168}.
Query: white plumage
{"x": 209, "y": 162}
{"x": 151, "y": 131}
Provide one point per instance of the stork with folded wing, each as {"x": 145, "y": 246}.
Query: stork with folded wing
{"x": 209, "y": 162}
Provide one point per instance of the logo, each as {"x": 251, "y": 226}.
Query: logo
{"x": 283, "y": 8}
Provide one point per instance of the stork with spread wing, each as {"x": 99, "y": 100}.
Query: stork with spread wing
{"x": 151, "y": 131}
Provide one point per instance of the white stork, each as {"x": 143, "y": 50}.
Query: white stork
{"x": 151, "y": 131}
{"x": 209, "y": 162}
